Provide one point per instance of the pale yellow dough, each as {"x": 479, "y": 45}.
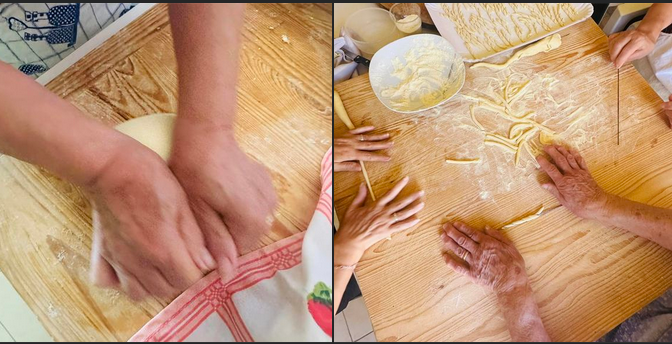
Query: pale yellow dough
{"x": 542, "y": 46}
{"x": 154, "y": 131}
{"x": 525, "y": 219}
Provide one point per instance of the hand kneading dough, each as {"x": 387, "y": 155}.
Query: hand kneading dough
{"x": 154, "y": 131}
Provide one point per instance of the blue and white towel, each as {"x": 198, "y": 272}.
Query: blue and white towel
{"x": 34, "y": 37}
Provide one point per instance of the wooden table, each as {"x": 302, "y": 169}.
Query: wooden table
{"x": 284, "y": 116}
{"x": 587, "y": 277}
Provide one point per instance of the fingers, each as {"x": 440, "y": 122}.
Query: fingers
{"x": 362, "y": 130}
{"x": 550, "y": 187}
{"x": 359, "y": 199}
{"x": 102, "y": 274}
{"x": 455, "y": 248}
{"x": 398, "y": 205}
{"x": 459, "y": 237}
{"x": 392, "y": 193}
{"x": 549, "y": 168}
{"x": 193, "y": 238}
{"x": 616, "y": 45}
{"x": 495, "y": 234}
{"x": 470, "y": 232}
{"x": 625, "y": 55}
{"x": 372, "y": 146}
{"x": 368, "y": 156}
{"x": 409, "y": 211}
{"x": 220, "y": 242}
{"x": 558, "y": 158}
{"x": 130, "y": 285}
{"x": 358, "y": 132}
{"x": 405, "y": 224}
{"x": 579, "y": 159}
{"x": 570, "y": 158}
{"x": 349, "y": 166}
{"x": 460, "y": 267}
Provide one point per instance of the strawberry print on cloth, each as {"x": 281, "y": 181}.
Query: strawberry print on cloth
{"x": 320, "y": 306}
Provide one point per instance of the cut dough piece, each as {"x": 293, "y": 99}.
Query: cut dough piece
{"x": 463, "y": 162}
{"x": 154, "y": 131}
{"x": 545, "y": 45}
{"x": 343, "y": 115}
{"x": 525, "y": 219}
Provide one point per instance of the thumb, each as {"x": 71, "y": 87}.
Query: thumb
{"x": 553, "y": 190}
{"x": 219, "y": 242}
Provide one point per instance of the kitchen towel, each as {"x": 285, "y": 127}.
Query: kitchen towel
{"x": 282, "y": 292}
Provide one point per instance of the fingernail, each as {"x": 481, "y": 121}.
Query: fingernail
{"x": 443, "y": 236}
{"x": 422, "y": 204}
{"x": 209, "y": 261}
{"x": 544, "y": 186}
{"x": 456, "y": 224}
{"x": 422, "y": 192}
{"x": 407, "y": 178}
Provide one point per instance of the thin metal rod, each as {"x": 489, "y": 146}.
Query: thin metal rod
{"x": 618, "y": 109}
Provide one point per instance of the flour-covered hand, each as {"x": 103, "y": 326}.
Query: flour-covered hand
{"x": 486, "y": 258}
{"x": 572, "y": 183}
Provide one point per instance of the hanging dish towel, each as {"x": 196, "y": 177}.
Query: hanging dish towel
{"x": 282, "y": 292}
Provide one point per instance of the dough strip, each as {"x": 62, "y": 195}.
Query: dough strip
{"x": 343, "y": 115}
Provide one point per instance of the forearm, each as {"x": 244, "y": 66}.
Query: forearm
{"x": 207, "y": 41}
{"x": 658, "y": 17}
{"x": 38, "y": 127}
{"x": 344, "y": 255}
{"x": 647, "y": 221}
{"x": 522, "y": 315}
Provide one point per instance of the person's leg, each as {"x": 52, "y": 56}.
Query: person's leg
{"x": 652, "y": 323}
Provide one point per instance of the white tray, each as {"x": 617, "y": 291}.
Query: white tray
{"x": 447, "y": 29}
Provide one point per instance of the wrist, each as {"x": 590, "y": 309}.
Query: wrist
{"x": 602, "y": 207}
{"x": 514, "y": 292}
{"x": 202, "y": 137}
{"x": 649, "y": 31}
{"x": 346, "y": 252}
{"x": 125, "y": 162}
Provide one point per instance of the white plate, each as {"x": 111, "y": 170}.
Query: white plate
{"x": 382, "y": 68}
{"x": 447, "y": 29}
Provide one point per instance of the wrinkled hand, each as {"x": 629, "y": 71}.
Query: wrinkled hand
{"x": 572, "y": 183}
{"x": 364, "y": 225}
{"x": 487, "y": 258}
{"x": 630, "y": 45}
{"x": 231, "y": 196}
{"x": 357, "y": 146}
{"x": 146, "y": 240}
{"x": 667, "y": 107}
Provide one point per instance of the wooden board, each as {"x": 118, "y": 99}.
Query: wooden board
{"x": 284, "y": 115}
{"x": 587, "y": 278}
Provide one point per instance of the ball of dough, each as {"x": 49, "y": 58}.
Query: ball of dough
{"x": 154, "y": 131}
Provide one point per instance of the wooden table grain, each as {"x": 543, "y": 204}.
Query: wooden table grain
{"x": 587, "y": 278}
{"x": 284, "y": 100}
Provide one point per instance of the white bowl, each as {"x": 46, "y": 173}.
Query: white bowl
{"x": 442, "y": 78}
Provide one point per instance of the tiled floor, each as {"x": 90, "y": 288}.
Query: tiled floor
{"x": 17, "y": 321}
{"x": 354, "y": 324}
